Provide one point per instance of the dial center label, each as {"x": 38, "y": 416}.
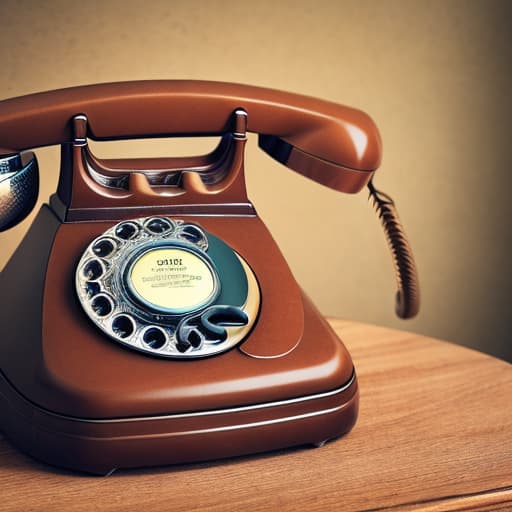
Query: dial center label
{"x": 172, "y": 279}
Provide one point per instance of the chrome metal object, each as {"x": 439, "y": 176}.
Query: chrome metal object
{"x": 19, "y": 187}
{"x": 110, "y": 299}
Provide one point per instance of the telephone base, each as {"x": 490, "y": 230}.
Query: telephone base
{"x": 101, "y": 446}
{"x": 73, "y": 398}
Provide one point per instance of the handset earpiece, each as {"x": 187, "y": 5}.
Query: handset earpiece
{"x": 19, "y": 186}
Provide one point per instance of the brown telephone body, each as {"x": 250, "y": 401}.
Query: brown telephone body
{"x": 126, "y": 339}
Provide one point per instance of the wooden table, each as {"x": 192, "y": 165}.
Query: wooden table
{"x": 434, "y": 433}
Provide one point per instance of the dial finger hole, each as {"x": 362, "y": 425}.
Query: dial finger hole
{"x": 102, "y": 305}
{"x": 189, "y": 337}
{"x": 183, "y": 346}
{"x": 127, "y": 230}
{"x": 92, "y": 289}
{"x": 192, "y": 234}
{"x": 93, "y": 270}
{"x": 123, "y": 326}
{"x": 104, "y": 247}
{"x": 158, "y": 225}
{"x": 154, "y": 338}
{"x": 195, "y": 339}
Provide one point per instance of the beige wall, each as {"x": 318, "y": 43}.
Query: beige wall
{"x": 435, "y": 76}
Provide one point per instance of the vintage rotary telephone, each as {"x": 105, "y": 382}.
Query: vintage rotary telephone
{"x": 148, "y": 316}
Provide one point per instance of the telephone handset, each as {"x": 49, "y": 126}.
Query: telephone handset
{"x": 148, "y": 316}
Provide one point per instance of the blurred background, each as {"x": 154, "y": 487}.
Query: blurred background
{"x": 434, "y": 75}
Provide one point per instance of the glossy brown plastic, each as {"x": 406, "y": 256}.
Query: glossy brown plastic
{"x": 72, "y": 397}
{"x": 100, "y": 446}
{"x": 334, "y": 137}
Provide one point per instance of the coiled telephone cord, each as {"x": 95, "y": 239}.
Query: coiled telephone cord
{"x": 408, "y": 292}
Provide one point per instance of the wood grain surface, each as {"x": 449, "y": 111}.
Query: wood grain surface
{"x": 434, "y": 434}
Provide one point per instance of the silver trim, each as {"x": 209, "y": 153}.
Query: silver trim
{"x": 240, "y": 131}
{"x": 235, "y": 427}
{"x": 80, "y": 130}
{"x": 229, "y": 410}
